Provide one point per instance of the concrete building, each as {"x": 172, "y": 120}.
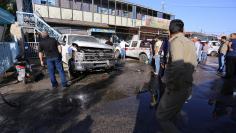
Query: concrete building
{"x": 100, "y": 18}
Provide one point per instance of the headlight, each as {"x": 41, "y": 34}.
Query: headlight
{"x": 79, "y": 56}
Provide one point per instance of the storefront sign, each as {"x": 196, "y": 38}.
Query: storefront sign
{"x": 157, "y": 22}
{"x": 102, "y": 30}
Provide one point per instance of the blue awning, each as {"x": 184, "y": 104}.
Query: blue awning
{"x": 6, "y": 17}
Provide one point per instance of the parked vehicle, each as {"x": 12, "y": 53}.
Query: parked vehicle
{"x": 85, "y": 53}
{"x": 214, "y": 47}
{"x": 139, "y": 49}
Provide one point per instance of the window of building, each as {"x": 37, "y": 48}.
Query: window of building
{"x": 104, "y": 7}
{"x": 87, "y": 6}
{"x": 139, "y": 13}
{"x": 144, "y": 13}
{"x": 77, "y": 5}
{"x": 166, "y": 16}
{"x": 66, "y": 3}
{"x": 112, "y": 8}
{"x": 154, "y": 13}
{"x": 150, "y": 12}
{"x": 43, "y": 2}
{"x": 53, "y": 3}
{"x": 159, "y": 15}
{"x": 130, "y": 13}
{"x": 119, "y": 10}
{"x": 125, "y": 12}
{"x": 97, "y": 6}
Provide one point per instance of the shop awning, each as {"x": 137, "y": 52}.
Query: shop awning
{"x": 6, "y": 17}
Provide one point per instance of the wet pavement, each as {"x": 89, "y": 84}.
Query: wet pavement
{"x": 109, "y": 102}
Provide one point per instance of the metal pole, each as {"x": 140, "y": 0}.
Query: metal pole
{"x": 35, "y": 35}
{"x": 93, "y": 10}
{"x": 48, "y": 9}
{"x": 108, "y": 11}
{"x": 115, "y": 12}
{"x": 122, "y": 13}
{"x": 73, "y": 9}
{"x": 60, "y": 9}
{"x": 82, "y": 10}
{"x": 100, "y": 11}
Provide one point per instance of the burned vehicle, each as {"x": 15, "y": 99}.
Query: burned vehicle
{"x": 84, "y": 53}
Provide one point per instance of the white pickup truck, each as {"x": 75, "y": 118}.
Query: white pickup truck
{"x": 84, "y": 53}
{"x": 139, "y": 49}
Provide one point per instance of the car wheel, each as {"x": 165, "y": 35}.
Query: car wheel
{"x": 213, "y": 53}
{"x": 117, "y": 54}
{"x": 72, "y": 73}
{"x": 143, "y": 58}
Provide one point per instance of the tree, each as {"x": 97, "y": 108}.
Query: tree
{"x": 9, "y": 5}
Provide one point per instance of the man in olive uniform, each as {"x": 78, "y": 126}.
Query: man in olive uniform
{"x": 178, "y": 77}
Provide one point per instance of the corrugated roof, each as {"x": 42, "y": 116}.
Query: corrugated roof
{"x": 6, "y": 17}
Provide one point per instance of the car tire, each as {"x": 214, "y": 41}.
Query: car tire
{"x": 72, "y": 73}
{"x": 213, "y": 53}
{"x": 143, "y": 58}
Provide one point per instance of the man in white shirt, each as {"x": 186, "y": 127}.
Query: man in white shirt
{"x": 122, "y": 50}
{"x": 198, "y": 46}
{"x": 157, "y": 55}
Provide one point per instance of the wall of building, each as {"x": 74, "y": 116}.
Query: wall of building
{"x": 123, "y": 15}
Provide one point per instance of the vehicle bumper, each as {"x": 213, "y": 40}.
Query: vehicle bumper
{"x": 91, "y": 65}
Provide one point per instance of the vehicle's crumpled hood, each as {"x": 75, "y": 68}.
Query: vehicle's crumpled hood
{"x": 93, "y": 45}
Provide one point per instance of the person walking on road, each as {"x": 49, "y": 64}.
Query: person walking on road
{"x": 164, "y": 53}
{"x": 204, "y": 52}
{"x": 178, "y": 77}
{"x": 50, "y": 47}
{"x": 198, "y": 47}
{"x": 157, "y": 55}
{"x": 122, "y": 52}
{"x": 222, "y": 53}
{"x": 231, "y": 57}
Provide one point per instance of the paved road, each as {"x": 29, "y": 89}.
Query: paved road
{"x": 109, "y": 103}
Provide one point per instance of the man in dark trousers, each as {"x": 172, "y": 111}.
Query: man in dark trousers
{"x": 50, "y": 47}
{"x": 178, "y": 77}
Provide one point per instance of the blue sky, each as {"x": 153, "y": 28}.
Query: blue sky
{"x": 209, "y": 16}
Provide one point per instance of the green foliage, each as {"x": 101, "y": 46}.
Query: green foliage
{"x": 9, "y": 5}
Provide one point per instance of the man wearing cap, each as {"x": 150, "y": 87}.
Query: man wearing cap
{"x": 51, "y": 48}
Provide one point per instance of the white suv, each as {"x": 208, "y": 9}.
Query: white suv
{"x": 214, "y": 47}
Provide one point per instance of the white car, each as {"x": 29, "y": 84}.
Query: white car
{"x": 214, "y": 47}
{"x": 83, "y": 53}
{"x": 139, "y": 49}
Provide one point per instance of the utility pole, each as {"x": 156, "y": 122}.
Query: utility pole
{"x": 163, "y": 6}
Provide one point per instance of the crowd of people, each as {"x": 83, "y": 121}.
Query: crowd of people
{"x": 175, "y": 60}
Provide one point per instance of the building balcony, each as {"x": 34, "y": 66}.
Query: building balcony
{"x": 64, "y": 14}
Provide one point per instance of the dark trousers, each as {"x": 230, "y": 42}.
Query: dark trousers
{"x": 169, "y": 107}
{"x": 53, "y": 63}
{"x": 230, "y": 66}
